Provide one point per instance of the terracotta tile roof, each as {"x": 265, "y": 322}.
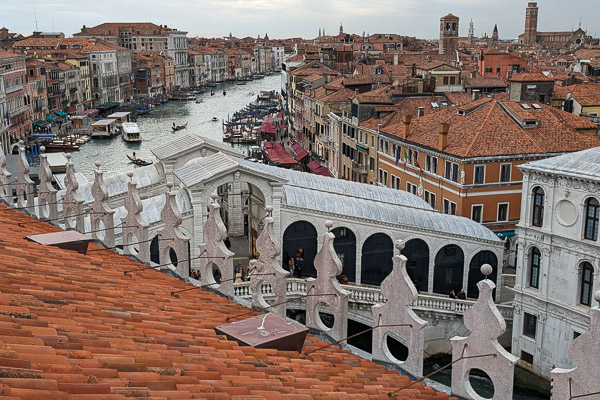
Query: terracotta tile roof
{"x": 587, "y": 94}
{"x": 481, "y": 81}
{"x": 493, "y": 128}
{"x": 340, "y": 96}
{"x": 531, "y": 77}
{"x": 74, "y": 326}
{"x": 112, "y": 28}
{"x": 86, "y": 45}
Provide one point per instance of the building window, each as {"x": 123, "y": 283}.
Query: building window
{"x": 592, "y": 210}
{"x": 527, "y": 357}
{"x": 479, "y": 176}
{"x": 534, "y": 272}
{"x": 538, "y": 207}
{"x": 502, "y": 212}
{"x": 411, "y": 188}
{"x": 449, "y": 207}
{"x": 431, "y": 163}
{"x": 505, "y": 170}
{"x": 587, "y": 284}
{"x": 529, "y": 325}
{"x": 430, "y": 198}
{"x": 477, "y": 212}
{"x": 451, "y": 171}
{"x": 488, "y": 70}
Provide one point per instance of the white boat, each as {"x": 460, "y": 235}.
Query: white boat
{"x": 105, "y": 128}
{"x": 131, "y": 132}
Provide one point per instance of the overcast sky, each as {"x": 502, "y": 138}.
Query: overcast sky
{"x": 293, "y": 18}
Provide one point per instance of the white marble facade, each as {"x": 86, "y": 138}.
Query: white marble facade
{"x": 558, "y": 258}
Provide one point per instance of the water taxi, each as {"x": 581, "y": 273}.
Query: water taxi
{"x": 131, "y": 132}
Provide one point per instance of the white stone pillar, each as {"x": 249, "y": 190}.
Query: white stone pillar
{"x": 5, "y": 179}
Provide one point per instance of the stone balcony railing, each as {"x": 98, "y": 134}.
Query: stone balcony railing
{"x": 361, "y": 296}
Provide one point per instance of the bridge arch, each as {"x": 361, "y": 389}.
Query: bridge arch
{"x": 448, "y": 269}
{"x": 300, "y": 238}
{"x": 417, "y": 252}
{"x": 376, "y": 258}
{"x": 475, "y": 275}
{"x": 345, "y": 248}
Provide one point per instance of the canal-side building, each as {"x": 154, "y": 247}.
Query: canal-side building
{"x": 82, "y": 62}
{"x": 12, "y": 73}
{"x": 559, "y": 258}
{"x": 37, "y": 91}
{"x": 4, "y": 121}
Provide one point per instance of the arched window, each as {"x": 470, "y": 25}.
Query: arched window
{"x": 587, "y": 283}
{"x": 538, "y": 207}
{"x": 592, "y": 211}
{"x": 534, "y": 273}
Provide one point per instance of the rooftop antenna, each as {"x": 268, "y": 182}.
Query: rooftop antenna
{"x": 35, "y": 17}
{"x": 53, "y": 21}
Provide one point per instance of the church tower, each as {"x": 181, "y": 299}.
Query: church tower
{"x": 531, "y": 19}
{"x": 495, "y": 35}
{"x": 341, "y": 29}
{"x": 471, "y": 33}
{"x": 448, "y": 35}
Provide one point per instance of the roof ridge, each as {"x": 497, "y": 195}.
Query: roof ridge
{"x": 479, "y": 133}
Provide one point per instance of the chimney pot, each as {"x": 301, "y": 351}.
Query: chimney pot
{"x": 443, "y": 136}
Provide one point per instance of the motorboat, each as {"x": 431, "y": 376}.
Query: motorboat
{"x": 131, "y": 132}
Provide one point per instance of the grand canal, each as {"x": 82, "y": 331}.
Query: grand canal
{"x": 156, "y": 126}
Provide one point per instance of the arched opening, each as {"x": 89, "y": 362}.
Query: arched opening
{"x": 154, "y": 251}
{"x": 537, "y": 213}
{"x": 475, "y": 275}
{"x": 480, "y": 384}
{"x": 376, "y": 259}
{"x": 448, "y": 270}
{"x": 345, "y": 248}
{"x": 98, "y": 229}
{"x": 133, "y": 245}
{"x": 324, "y": 318}
{"x": 417, "y": 266}
{"x": 300, "y": 240}
{"x": 395, "y": 349}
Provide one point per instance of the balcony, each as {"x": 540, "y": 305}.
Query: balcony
{"x": 359, "y": 168}
{"x": 13, "y": 89}
{"x": 18, "y": 111}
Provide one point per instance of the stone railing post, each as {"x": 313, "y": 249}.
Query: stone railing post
{"x": 6, "y": 188}
{"x": 326, "y": 289}
{"x": 267, "y": 270}
{"x": 172, "y": 238}
{"x": 486, "y": 324}
{"x": 214, "y": 252}
{"x": 101, "y": 212}
{"x": 24, "y": 184}
{"x": 72, "y": 205}
{"x": 400, "y": 293}
{"x": 581, "y": 381}
{"x": 133, "y": 226}
{"x": 47, "y": 198}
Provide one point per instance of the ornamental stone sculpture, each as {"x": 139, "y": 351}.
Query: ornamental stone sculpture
{"x": 47, "y": 198}
{"x": 214, "y": 253}
{"x": 485, "y": 323}
{"x": 400, "y": 293}
{"x": 72, "y": 203}
{"x": 326, "y": 289}
{"x": 172, "y": 239}
{"x": 24, "y": 184}
{"x": 267, "y": 270}
{"x": 133, "y": 226}
{"x": 101, "y": 212}
{"x": 6, "y": 188}
{"x": 581, "y": 381}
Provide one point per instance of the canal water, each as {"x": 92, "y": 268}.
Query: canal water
{"x": 155, "y": 127}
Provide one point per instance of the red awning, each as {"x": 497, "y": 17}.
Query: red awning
{"x": 313, "y": 165}
{"x": 323, "y": 171}
{"x": 295, "y": 147}
{"x": 278, "y": 154}
{"x": 300, "y": 154}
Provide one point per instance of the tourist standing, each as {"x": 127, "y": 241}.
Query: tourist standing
{"x": 291, "y": 266}
{"x": 298, "y": 266}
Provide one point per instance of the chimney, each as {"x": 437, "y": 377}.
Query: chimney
{"x": 406, "y": 121}
{"x": 395, "y": 58}
{"x": 420, "y": 112}
{"x": 475, "y": 93}
{"x": 379, "y": 128}
{"x": 413, "y": 70}
{"x": 443, "y": 137}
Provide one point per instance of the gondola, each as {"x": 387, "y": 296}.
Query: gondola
{"x": 138, "y": 161}
{"x": 179, "y": 127}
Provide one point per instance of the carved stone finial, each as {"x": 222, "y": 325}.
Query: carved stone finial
{"x": 328, "y": 224}
{"x": 169, "y": 186}
{"x": 42, "y": 149}
{"x": 326, "y": 289}
{"x": 486, "y": 324}
{"x": 486, "y": 270}
{"x": 135, "y": 229}
{"x": 47, "y": 198}
{"x": 98, "y": 164}
{"x": 400, "y": 293}
{"x": 269, "y": 210}
{"x": 173, "y": 238}
{"x": 214, "y": 196}
{"x": 24, "y": 184}
{"x": 71, "y": 202}
{"x": 101, "y": 211}
{"x": 6, "y": 188}
{"x": 584, "y": 351}
{"x": 399, "y": 244}
{"x": 266, "y": 270}
{"x": 217, "y": 253}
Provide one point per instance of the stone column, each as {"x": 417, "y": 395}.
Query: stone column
{"x": 5, "y": 179}
{"x": 267, "y": 269}
{"x": 134, "y": 225}
{"x": 171, "y": 237}
{"x": 326, "y": 289}
{"x": 581, "y": 381}
{"x": 72, "y": 205}
{"x": 214, "y": 252}
{"x": 24, "y": 184}
{"x": 235, "y": 223}
{"x": 47, "y": 198}
{"x": 100, "y": 211}
{"x": 400, "y": 293}
{"x": 199, "y": 207}
{"x": 486, "y": 324}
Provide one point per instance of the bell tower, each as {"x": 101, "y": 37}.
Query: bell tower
{"x": 531, "y": 19}
{"x": 448, "y": 34}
